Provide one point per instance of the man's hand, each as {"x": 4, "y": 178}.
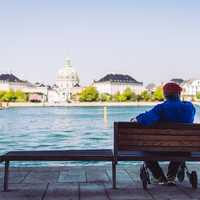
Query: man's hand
{"x": 133, "y": 120}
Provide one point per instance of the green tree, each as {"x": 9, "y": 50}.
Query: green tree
{"x": 2, "y": 93}
{"x": 119, "y": 97}
{"x": 158, "y": 94}
{"x": 139, "y": 97}
{"x": 20, "y": 96}
{"x": 89, "y": 94}
{"x": 128, "y": 94}
{"x": 134, "y": 97}
{"x": 9, "y": 96}
{"x": 105, "y": 97}
{"x": 198, "y": 95}
{"x": 145, "y": 96}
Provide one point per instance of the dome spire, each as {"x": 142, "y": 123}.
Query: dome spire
{"x": 67, "y": 62}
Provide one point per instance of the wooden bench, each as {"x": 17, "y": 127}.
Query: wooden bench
{"x": 163, "y": 142}
{"x": 68, "y": 155}
{"x": 132, "y": 142}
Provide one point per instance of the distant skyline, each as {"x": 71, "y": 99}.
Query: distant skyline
{"x": 152, "y": 41}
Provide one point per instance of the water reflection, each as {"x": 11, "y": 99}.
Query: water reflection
{"x": 105, "y": 116}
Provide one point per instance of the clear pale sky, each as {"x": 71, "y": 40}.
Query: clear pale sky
{"x": 152, "y": 41}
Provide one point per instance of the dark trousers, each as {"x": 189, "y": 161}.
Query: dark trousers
{"x": 157, "y": 171}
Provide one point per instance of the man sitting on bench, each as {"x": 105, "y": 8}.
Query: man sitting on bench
{"x": 172, "y": 110}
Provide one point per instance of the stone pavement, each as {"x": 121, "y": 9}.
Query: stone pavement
{"x": 89, "y": 183}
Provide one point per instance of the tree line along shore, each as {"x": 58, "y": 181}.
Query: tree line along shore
{"x": 90, "y": 94}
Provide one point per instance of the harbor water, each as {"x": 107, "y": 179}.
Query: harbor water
{"x": 61, "y": 128}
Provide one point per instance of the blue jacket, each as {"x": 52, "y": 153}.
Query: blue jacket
{"x": 170, "y": 111}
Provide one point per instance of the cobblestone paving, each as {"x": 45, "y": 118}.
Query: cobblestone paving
{"x": 89, "y": 183}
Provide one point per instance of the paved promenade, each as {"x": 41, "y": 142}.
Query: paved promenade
{"x": 88, "y": 183}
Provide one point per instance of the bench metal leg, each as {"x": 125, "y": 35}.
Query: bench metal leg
{"x": 114, "y": 174}
{"x": 6, "y": 175}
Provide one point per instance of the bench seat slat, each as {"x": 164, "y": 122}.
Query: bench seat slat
{"x": 136, "y": 136}
{"x": 160, "y": 143}
{"x": 68, "y": 155}
{"x": 179, "y": 126}
{"x": 161, "y": 156}
{"x": 159, "y": 148}
{"x": 153, "y": 131}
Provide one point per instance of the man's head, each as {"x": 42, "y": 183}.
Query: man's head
{"x": 172, "y": 90}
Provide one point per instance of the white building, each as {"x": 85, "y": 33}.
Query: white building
{"x": 190, "y": 88}
{"x": 113, "y": 83}
{"x": 11, "y": 82}
{"x": 53, "y": 96}
{"x": 151, "y": 87}
{"x": 66, "y": 79}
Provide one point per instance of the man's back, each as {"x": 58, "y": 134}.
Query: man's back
{"x": 177, "y": 111}
{"x": 169, "y": 111}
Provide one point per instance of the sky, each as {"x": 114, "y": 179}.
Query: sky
{"x": 153, "y": 41}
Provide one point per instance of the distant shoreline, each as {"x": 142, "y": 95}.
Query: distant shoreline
{"x": 82, "y": 104}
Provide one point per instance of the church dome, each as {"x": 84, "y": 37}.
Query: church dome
{"x": 68, "y": 72}
{"x": 66, "y": 80}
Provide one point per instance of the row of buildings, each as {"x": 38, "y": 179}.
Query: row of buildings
{"x": 67, "y": 84}
{"x": 66, "y": 81}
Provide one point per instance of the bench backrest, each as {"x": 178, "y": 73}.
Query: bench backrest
{"x": 129, "y": 136}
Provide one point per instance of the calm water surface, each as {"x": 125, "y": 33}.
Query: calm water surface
{"x": 59, "y": 128}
